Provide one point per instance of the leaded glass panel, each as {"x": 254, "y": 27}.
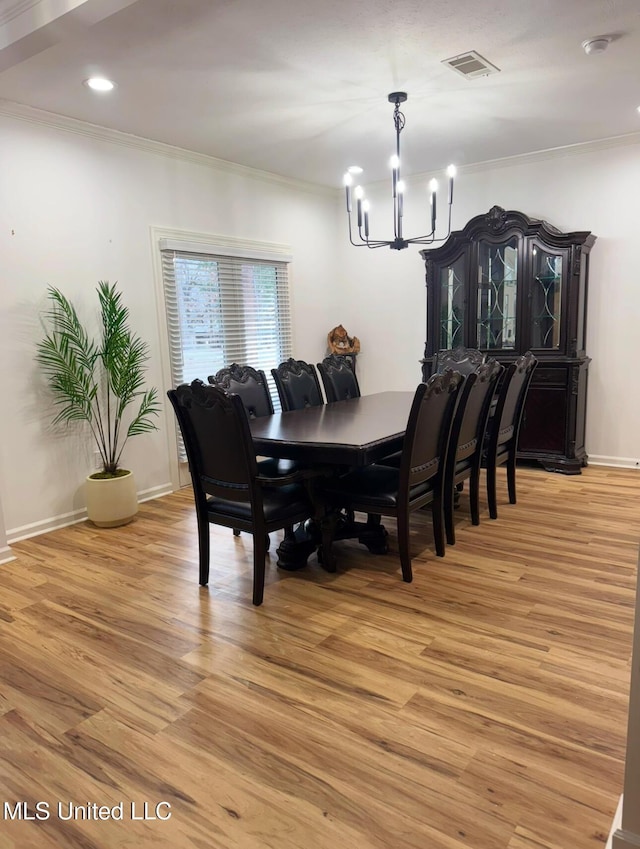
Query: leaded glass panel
{"x": 497, "y": 294}
{"x": 546, "y": 299}
{"x": 452, "y": 300}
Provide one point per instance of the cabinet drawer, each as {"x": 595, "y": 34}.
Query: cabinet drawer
{"x": 549, "y": 376}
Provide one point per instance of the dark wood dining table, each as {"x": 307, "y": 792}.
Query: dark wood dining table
{"x": 355, "y": 432}
{"x": 334, "y": 437}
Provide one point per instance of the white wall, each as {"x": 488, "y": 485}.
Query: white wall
{"x": 5, "y": 551}
{"x": 76, "y": 208}
{"x": 596, "y": 188}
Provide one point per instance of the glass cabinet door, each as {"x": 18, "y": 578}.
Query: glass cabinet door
{"x": 546, "y": 299}
{"x": 452, "y": 304}
{"x": 497, "y": 295}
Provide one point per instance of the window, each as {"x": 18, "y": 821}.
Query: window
{"x": 225, "y": 307}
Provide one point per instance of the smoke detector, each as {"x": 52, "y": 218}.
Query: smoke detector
{"x": 596, "y": 45}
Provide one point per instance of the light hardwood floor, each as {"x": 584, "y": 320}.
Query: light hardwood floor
{"x": 482, "y": 706}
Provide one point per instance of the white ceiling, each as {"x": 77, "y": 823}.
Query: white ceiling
{"x": 299, "y": 87}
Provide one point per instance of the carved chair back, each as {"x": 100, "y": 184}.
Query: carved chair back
{"x": 338, "y": 378}
{"x": 250, "y": 384}
{"x": 464, "y": 457}
{"x": 217, "y": 440}
{"x": 505, "y": 424}
{"x": 297, "y": 384}
{"x": 501, "y": 441}
{"x": 461, "y": 359}
{"x": 428, "y": 433}
{"x": 472, "y": 413}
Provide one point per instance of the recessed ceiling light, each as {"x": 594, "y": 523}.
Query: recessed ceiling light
{"x": 354, "y": 169}
{"x": 100, "y": 84}
{"x": 596, "y": 45}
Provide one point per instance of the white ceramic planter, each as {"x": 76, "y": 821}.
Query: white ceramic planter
{"x": 111, "y": 502}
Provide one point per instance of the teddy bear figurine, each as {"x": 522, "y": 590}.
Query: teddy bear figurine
{"x": 340, "y": 342}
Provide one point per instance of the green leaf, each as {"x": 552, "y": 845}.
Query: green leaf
{"x": 96, "y": 381}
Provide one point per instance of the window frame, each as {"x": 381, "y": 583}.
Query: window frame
{"x": 164, "y": 239}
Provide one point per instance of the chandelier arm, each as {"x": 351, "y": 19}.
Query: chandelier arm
{"x": 364, "y": 243}
{"x": 355, "y": 244}
{"x": 425, "y": 241}
{"x": 370, "y": 244}
{"x": 430, "y": 238}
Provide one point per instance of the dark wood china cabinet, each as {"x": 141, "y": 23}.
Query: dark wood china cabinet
{"x": 507, "y": 284}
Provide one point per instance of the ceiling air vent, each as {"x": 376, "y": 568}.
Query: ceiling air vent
{"x": 471, "y": 65}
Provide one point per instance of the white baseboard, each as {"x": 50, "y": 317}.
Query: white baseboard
{"x": 6, "y": 555}
{"x": 54, "y": 523}
{"x": 155, "y": 492}
{"x": 615, "y": 825}
{"x": 616, "y": 462}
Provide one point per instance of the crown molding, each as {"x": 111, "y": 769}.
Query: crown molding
{"x": 577, "y": 149}
{"x": 41, "y": 117}
{"x": 32, "y": 115}
{"x": 10, "y": 9}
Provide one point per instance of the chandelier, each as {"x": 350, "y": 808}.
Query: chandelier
{"x": 397, "y": 190}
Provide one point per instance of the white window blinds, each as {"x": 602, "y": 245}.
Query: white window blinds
{"x": 223, "y": 309}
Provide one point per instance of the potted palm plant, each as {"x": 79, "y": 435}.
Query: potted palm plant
{"x": 100, "y": 382}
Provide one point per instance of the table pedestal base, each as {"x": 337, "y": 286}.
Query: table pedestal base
{"x": 296, "y": 548}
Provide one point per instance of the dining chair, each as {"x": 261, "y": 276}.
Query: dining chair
{"x": 380, "y": 490}
{"x": 501, "y": 441}
{"x": 464, "y": 456}
{"x": 250, "y": 384}
{"x": 460, "y": 359}
{"x": 338, "y": 378}
{"x": 228, "y": 486}
{"x": 297, "y": 384}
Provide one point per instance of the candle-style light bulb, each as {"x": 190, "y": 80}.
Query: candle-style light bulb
{"x": 359, "y": 193}
{"x": 401, "y": 188}
{"x": 451, "y": 173}
{"x": 348, "y": 182}
{"x": 433, "y": 187}
{"x": 366, "y": 206}
{"x": 394, "y": 162}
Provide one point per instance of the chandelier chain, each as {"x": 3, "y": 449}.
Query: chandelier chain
{"x": 398, "y": 118}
